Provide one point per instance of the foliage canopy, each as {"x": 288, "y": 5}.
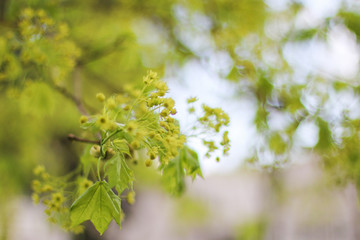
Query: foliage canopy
{"x": 55, "y": 56}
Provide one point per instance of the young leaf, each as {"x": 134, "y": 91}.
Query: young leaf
{"x": 87, "y": 161}
{"x": 99, "y": 204}
{"x": 119, "y": 174}
{"x": 191, "y": 162}
{"x": 122, "y": 146}
{"x": 325, "y": 138}
{"x": 186, "y": 162}
{"x": 173, "y": 177}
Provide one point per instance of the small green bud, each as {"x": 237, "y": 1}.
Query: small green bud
{"x": 152, "y": 134}
{"x": 36, "y": 199}
{"x": 152, "y": 155}
{"x": 100, "y": 97}
{"x": 36, "y": 185}
{"x": 131, "y": 126}
{"x": 95, "y": 151}
{"x": 130, "y": 197}
{"x": 126, "y": 108}
{"x": 45, "y": 176}
{"x": 135, "y": 144}
{"x": 148, "y": 162}
{"x": 39, "y": 170}
{"x": 86, "y": 183}
{"x": 173, "y": 111}
{"x": 109, "y": 153}
{"x": 46, "y": 188}
{"x": 191, "y": 100}
{"x": 83, "y": 119}
{"x": 57, "y": 198}
{"x": 111, "y": 104}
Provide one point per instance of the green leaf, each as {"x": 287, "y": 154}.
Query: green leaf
{"x": 304, "y": 35}
{"x": 325, "y": 138}
{"x": 185, "y": 163}
{"x": 122, "y": 146}
{"x": 277, "y": 143}
{"x": 99, "y": 204}
{"x": 191, "y": 162}
{"x": 352, "y": 21}
{"x": 173, "y": 177}
{"x": 119, "y": 174}
{"x": 87, "y": 161}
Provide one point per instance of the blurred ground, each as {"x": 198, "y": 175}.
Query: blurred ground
{"x": 294, "y": 204}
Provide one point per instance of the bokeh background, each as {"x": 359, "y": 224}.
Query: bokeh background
{"x": 286, "y": 71}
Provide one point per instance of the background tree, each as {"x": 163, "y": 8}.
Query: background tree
{"x": 56, "y": 55}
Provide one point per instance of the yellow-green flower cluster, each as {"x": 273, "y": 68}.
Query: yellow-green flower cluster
{"x": 211, "y": 147}
{"x": 132, "y": 124}
{"x": 150, "y": 77}
{"x": 214, "y": 118}
{"x": 83, "y": 185}
{"x": 143, "y": 117}
{"x": 130, "y": 197}
{"x": 225, "y": 142}
{"x": 44, "y": 42}
{"x": 47, "y": 192}
{"x": 50, "y": 192}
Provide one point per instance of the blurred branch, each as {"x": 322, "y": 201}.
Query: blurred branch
{"x": 91, "y": 76}
{"x": 72, "y": 137}
{"x": 71, "y": 97}
{"x": 63, "y": 91}
{"x": 95, "y": 55}
{"x": 3, "y": 4}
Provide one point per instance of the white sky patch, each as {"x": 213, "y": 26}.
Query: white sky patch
{"x": 315, "y": 11}
{"x": 193, "y": 30}
{"x": 202, "y": 83}
{"x": 149, "y": 36}
{"x": 277, "y": 27}
{"x": 277, "y": 5}
{"x": 343, "y": 101}
{"x": 307, "y": 134}
{"x": 338, "y": 57}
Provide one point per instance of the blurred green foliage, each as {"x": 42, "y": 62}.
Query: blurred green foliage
{"x": 55, "y": 55}
{"x": 251, "y": 230}
{"x": 190, "y": 211}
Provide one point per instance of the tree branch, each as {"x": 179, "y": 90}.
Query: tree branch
{"x": 71, "y": 97}
{"x": 98, "y": 54}
{"x": 3, "y": 5}
{"x": 72, "y": 137}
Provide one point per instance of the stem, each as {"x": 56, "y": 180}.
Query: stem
{"x": 132, "y": 107}
{"x": 108, "y": 137}
{"x": 98, "y": 168}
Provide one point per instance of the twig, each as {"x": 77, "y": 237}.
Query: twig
{"x": 72, "y": 137}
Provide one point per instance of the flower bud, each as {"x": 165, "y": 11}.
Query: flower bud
{"x": 148, "y": 162}
{"x": 95, "y": 151}
{"x": 100, "y": 97}
{"x": 109, "y": 153}
{"x": 83, "y": 119}
{"x": 130, "y": 197}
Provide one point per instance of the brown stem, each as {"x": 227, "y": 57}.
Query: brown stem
{"x": 72, "y": 137}
{"x": 3, "y": 5}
